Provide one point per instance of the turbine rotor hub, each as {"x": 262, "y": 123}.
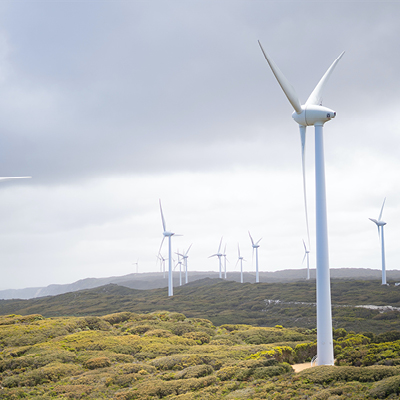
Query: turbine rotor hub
{"x": 313, "y": 115}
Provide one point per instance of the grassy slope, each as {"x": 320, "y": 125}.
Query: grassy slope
{"x": 230, "y": 302}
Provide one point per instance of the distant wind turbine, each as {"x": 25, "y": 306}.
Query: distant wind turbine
{"x": 306, "y": 255}
{"x": 180, "y": 268}
{"x": 309, "y": 114}
{"x": 167, "y": 234}
{"x": 162, "y": 263}
{"x": 137, "y": 265}
{"x": 219, "y": 255}
{"x": 185, "y": 257}
{"x": 240, "y": 259}
{"x": 380, "y": 224}
{"x": 255, "y": 247}
{"x": 225, "y": 260}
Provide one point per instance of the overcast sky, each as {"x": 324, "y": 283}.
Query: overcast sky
{"x": 113, "y": 105}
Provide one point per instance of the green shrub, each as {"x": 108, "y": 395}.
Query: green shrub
{"x": 158, "y": 333}
{"x": 196, "y": 371}
{"x": 99, "y": 362}
{"x": 176, "y": 362}
{"x": 117, "y": 318}
{"x": 328, "y": 374}
{"x": 198, "y": 337}
{"x": 305, "y": 351}
{"x": 268, "y": 372}
{"x": 50, "y": 373}
{"x": 385, "y": 387}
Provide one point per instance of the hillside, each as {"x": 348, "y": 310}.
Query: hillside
{"x": 145, "y": 281}
{"x": 289, "y": 304}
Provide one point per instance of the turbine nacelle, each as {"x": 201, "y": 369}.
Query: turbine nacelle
{"x": 313, "y": 115}
{"x": 379, "y": 223}
{"x": 167, "y": 234}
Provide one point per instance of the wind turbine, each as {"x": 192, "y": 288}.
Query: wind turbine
{"x": 137, "y": 265}
{"x": 255, "y": 247}
{"x": 167, "y": 234}
{"x": 180, "y": 268}
{"x": 312, "y": 113}
{"x": 219, "y": 255}
{"x": 380, "y": 224}
{"x": 306, "y": 255}
{"x": 241, "y": 264}
{"x": 225, "y": 259}
{"x": 185, "y": 257}
{"x": 162, "y": 263}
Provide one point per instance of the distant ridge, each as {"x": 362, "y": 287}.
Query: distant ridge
{"x": 145, "y": 281}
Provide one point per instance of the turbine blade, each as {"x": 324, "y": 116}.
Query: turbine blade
{"x": 316, "y": 95}
{"x": 162, "y": 217}
{"x": 238, "y": 251}
{"x": 219, "y": 248}
{"x": 287, "y": 88}
{"x": 188, "y": 250}
{"x": 305, "y": 255}
{"x": 252, "y": 241}
{"x": 14, "y": 177}
{"x": 303, "y": 154}
{"x": 162, "y": 241}
{"x": 258, "y": 241}
{"x": 380, "y": 215}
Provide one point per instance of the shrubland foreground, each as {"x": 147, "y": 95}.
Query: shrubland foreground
{"x": 165, "y": 355}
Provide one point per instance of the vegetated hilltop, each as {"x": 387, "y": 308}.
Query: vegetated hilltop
{"x": 264, "y": 304}
{"x": 145, "y": 281}
{"x": 165, "y": 355}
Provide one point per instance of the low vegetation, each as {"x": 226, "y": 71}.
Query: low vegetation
{"x": 165, "y": 355}
{"x": 289, "y": 304}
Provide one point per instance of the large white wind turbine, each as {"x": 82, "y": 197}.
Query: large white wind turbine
{"x": 255, "y": 247}
{"x": 312, "y": 113}
{"x": 219, "y": 255}
{"x": 167, "y": 234}
{"x": 306, "y": 255}
{"x": 380, "y": 224}
{"x": 240, "y": 259}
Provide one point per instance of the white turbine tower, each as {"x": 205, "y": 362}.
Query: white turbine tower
{"x": 380, "y": 224}
{"x": 240, "y": 259}
{"x": 185, "y": 257}
{"x": 219, "y": 255}
{"x": 180, "y": 268}
{"x": 306, "y": 255}
{"x": 225, "y": 259}
{"x": 255, "y": 247}
{"x": 312, "y": 113}
{"x": 167, "y": 234}
{"x": 162, "y": 264}
{"x": 137, "y": 265}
